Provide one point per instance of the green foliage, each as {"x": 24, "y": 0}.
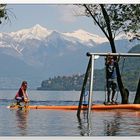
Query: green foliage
{"x": 124, "y": 17}
{"x": 3, "y": 12}
{"x": 119, "y": 17}
{"x": 73, "y": 82}
{"x": 130, "y": 75}
{"x": 131, "y": 70}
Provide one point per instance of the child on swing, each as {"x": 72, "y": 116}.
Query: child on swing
{"x": 111, "y": 78}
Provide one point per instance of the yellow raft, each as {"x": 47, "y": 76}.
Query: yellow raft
{"x": 75, "y": 107}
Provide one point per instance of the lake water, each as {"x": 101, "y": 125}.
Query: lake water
{"x": 64, "y": 122}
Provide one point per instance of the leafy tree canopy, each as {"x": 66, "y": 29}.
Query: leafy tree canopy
{"x": 3, "y": 13}
{"x": 122, "y": 18}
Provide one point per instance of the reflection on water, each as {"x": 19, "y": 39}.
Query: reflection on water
{"x": 110, "y": 123}
{"x": 83, "y": 129}
{"x": 22, "y": 121}
{"x": 65, "y": 123}
{"x": 85, "y": 124}
{"x": 111, "y": 127}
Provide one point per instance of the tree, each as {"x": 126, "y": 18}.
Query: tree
{"x": 3, "y": 13}
{"x": 137, "y": 97}
{"x": 113, "y": 19}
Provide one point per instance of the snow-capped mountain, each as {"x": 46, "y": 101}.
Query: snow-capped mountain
{"x": 36, "y": 32}
{"x": 87, "y": 37}
{"x": 39, "y": 53}
{"x": 26, "y": 44}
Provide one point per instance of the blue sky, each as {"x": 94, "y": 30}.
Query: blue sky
{"x": 54, "y": 17}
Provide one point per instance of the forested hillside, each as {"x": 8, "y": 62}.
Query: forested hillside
{"x": 129, "y": 67}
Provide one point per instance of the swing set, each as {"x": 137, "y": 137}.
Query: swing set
{"x": 90, "y": 74}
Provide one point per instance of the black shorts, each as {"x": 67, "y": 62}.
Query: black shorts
{"x": 111, "y": 85}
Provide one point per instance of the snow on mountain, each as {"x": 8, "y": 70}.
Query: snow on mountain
{"x": 15, "y": 39}
{"x": 36, "y": 32}
{"x": 38, "y": 52}
{"x": 32, "y": 44}
{"x": 86, "y": 37}
{"x": 26, "y": 43}
{"x": 121, "y": 37}
{"x": 54, "y": 35}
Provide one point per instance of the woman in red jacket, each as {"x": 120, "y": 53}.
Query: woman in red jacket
{"x": 22, "y": 95}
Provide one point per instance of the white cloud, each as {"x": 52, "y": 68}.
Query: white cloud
{"x": 67, "y": 13}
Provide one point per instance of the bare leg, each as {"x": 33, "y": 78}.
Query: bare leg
{"x": 108, "y": 91}
{"x": 113, "y": 94}
{"x": 26, "y": 104}
{"x": 108, "y": 95}
{"x": 113, "y": 91}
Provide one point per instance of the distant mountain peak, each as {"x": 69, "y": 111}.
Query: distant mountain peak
{"x": 37, "y": 32}
{"x": 86, "y": 36}
{"x": 38, "y": 28}
{"x": 81, "y": 31}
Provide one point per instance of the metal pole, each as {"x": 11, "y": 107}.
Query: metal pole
{"x": 83, "y": 87}
{"x": 91, "y": 86}
{"x": 115, "y": 54}
{"x": 89, "y": 126}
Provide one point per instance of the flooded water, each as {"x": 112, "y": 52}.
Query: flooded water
{"x": 65, "y": 122}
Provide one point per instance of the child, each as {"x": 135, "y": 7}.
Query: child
{"x": 21, "y": 95}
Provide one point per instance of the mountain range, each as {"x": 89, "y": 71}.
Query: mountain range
{"x": 36, "y": 53}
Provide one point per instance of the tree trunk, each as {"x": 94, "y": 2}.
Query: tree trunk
{"x": 109, "y": 36}
{"x": 124, "y": 94}
{"x": 137, "y": 97}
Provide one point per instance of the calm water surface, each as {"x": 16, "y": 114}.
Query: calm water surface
{"x": 65, "y": 123}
